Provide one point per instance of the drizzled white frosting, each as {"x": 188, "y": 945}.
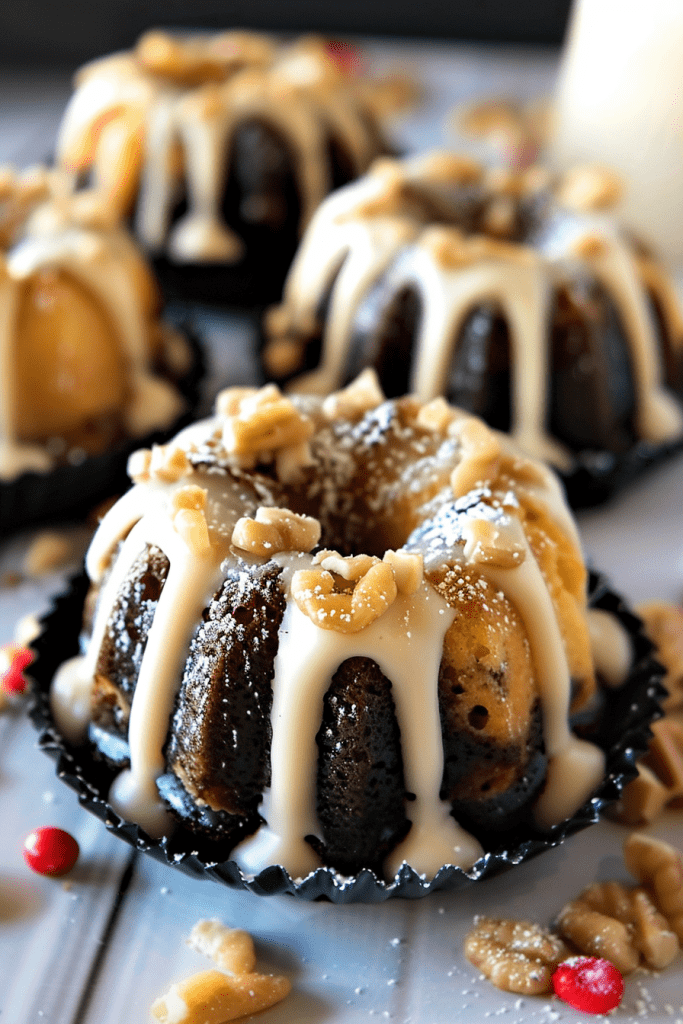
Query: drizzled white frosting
{"x": 365, "y": 226}
{"x": 105, "y": 264}
{"x": 175, "y": 127}
{"x": 406, "y": 641}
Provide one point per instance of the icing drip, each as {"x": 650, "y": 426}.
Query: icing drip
{"x": 438, "y": 250}
{"x": 105, "y": 265}
{"x": 610, "y": 646}
{"x": 405, "y": 636}
{"x": 188, "y": 126}
{"x": 406, "y": 643}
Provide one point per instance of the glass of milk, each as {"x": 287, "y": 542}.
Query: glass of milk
{"x": 619, "y": 102}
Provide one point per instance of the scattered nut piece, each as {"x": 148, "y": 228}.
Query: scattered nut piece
{"x": 360, "y": 396}
{"x": 315, "y": 595}
{"x": 408, "y": 569}
{"x": 190, "y": 523}
{"x": 48, "y": 552}
{"x": 487, "y": 544}
{"x": 481, "y": 454}
{"x": 664, "y": 626}
{"x": 517, "y": 956}
{"x": 275, "y": 529}
{"x": 659, "y": 867}
{"x": 290, "y": 462}
{"x": 228, "y": 401}
{"x": 139, "y": 463}
{"x": 211, "y": 997}
{"x": 169, "y": 463}
{"x": 190, "y": 496}
{"x": 660, "y": 774}
{"x": 621, "y": 924}
{"x": 436, "y": 415}
{"x": 231, "y": 948}
{"x": 264, "y": 422}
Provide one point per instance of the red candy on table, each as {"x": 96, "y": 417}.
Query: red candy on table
{"x": 13, "y": 660}
{"x": 50, "y": 851}
{"x": 589, "y": 984}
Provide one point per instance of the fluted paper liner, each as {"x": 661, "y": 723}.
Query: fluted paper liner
{"x": 623, "y": 732}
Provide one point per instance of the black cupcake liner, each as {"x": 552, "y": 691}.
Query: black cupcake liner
{"x": 623, "y": 731}
{"x": 72, "y": 491}
{"x": 255, "y": 281}
{"x": 597, "y": 476}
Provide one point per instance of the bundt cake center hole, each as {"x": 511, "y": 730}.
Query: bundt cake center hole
{"x": 478, "y": 717}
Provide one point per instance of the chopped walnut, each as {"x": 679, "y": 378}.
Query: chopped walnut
{"x": 258, "y": 423}
{"x": 480, "y": 454}
{"x": 314, "y": 591}
{"x": 231, "y": 948}
{"x": 486, "y": 544}
{"x": 664, "y": 626}
{"x": 408, "y": 569}
{"x": 352, "y": 402}
{"x": 517, "y": 956}
{"x": 190, "y": 496}
{"x": 275, "y": 529}
{"x": 659, "y": 867}
{"x": 436, "y": 415}
{"x": 660, "y": 774}
{"x": 211, "y": 997}
{"x": 169, "y": 463}
{"x": 191, "y": 524}
{"x": 621, "y": 924}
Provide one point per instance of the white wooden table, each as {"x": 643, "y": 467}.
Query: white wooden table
{"x": 101, "y": 947}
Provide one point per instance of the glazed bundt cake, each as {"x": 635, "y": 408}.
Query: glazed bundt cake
{"x": 348, "y": 631}
{"x": 219, "y": 148}
{"x": 84, "y": 360}
{"x": 513, "y": 294}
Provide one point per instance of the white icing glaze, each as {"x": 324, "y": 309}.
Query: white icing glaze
{"x": 199, "y": 122}
{"x": 405, "y": 641}
{"x": 105, "y": 263}
{"x": 611, "y": 647}
{"x": 364, "y": 226}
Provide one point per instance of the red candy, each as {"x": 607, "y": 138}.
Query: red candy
{"x": 589, "y": 984}
{"x": 13, "y": 660}
{"x": 50, "y": 851}
{"x": 346, "y": 56}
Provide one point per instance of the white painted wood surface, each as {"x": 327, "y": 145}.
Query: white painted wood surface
{"x": 81, "y": 952}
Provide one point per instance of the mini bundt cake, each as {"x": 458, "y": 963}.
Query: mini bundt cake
{"x": 513, "y": 294}
{"x": 84, "y": 359}
{"x": 348, "y": 631}
{"x": 219, "y": 148}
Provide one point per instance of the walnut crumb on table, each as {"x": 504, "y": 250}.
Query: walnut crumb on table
{"x": 213, "y": 997}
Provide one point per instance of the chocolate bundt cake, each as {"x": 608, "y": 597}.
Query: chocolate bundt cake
{"x": 349, "y": 631}
{"x": 219, "y": 148}
{"x": 513, "y": 294}
{"x": 84, "y": 359}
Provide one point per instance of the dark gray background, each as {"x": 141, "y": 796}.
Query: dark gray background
{"x": 65, "y": 34}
